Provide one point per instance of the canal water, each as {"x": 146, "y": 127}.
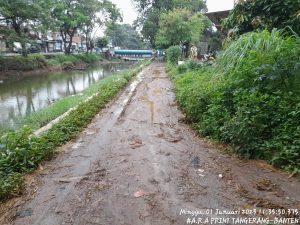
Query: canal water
{"x": 20, "y": 97}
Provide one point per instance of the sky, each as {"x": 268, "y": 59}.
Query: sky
{"x": 219, "y": 5}
{"x": 130, "y": 14}
{"x": 128, "y": 10}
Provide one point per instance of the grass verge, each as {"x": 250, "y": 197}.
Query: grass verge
{"x": 21, "y": 151}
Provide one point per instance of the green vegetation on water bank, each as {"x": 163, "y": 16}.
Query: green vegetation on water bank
{"x": 39, "y": 118}
{"x": 21, "y": 151}
{"x": 83, "y": 57}
{"x": 38, "y": 61}
{"x": 250, "y": 97}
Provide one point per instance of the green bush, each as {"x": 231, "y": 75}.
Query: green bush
{"x": 250, "y": 98}
{"x": 82, "y": 57}
{"x": 194, "y": 64}
{"x": 191, "y": 65}
{"x": 37, "y": 61}
{"x": 173, "y": 54}
{"x": 11, "y": 183}
{"x": 89, "y": 58}
{"x": 62, "y": 58}
{"x": 33, "y": 61}
{"x": 182, "y": 68}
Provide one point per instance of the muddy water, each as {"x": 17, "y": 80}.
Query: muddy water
{"x": 21, "y": 97}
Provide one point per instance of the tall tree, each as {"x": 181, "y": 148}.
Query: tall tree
{"x": 249, "y": 15}
{"x": 68, "y": 17}
{"x": 192, "y": 5}
{"x": 149, "y": 24}
{"x": 71, "y": 16}
{"x": 150, "y": 11}
{"x": 99, "y": 14}
{"x": 101, "y": 42}
{"x": 124, "y": 36}
{"x": 179, "y": 26}
{"x": 18, "y": 17}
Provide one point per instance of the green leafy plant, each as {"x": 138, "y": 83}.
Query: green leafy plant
{"x": 179, "y": 26}
{"x": 173, "y": 54}
{"x": 252, "y": 15}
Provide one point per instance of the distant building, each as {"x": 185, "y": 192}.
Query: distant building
{"x": 49, "y": 41}
{"x": 216, "y": 18}
{"x": 52, "y": 42}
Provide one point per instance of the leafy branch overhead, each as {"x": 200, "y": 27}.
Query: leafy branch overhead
{"x": 264, "y": 14}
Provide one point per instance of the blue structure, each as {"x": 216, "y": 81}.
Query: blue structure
{"x": 135, "y": 53}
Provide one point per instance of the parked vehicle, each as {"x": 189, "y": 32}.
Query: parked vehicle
{"x": 34, "y": 49}
{"x": 31, "y": 49}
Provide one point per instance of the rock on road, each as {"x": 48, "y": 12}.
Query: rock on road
{"x": 137, "y": 163}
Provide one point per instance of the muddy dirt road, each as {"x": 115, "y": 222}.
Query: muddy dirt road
{"x": 137, "y": 163}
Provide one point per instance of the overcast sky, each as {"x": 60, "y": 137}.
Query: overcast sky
{"x": 130, "y": 14}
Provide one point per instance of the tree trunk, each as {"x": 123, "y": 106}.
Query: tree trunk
{"x": 24, "y": 50}
{"x": 64, "y": 38}
{"x": 68, "y": 49}
{"x": 91, "y": 46}
{"x": 70, "y": 45}
{"x": 87, "y": 43}
{"x": 17, "y": 28}
{"x": 187, "y": 49}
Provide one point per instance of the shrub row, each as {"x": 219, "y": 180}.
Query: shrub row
{"x": 82, "y": 57}
{"x": 250, "y": 98}
{"x": 37, "y": 61}
{"x": 21, "y": 151}
{"x": 33, "y": 61}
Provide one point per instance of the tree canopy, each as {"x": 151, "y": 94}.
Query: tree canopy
{"x": 17, "y": 16}
{"x": 124, "y": 36}
{"x": 99, "y": 14}
{"x": 151, "y": 10}
{"x": 73, "y": 15}
{"x": 249, "y": 15}
{"x": 101, "y": 42}
{"x": 179, "y": 26}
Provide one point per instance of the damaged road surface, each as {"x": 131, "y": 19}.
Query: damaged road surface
{"x": 137, "y": 163}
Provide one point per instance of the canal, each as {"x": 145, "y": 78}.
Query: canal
{"x": 21, "y": 97}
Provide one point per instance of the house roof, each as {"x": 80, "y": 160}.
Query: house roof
{"x": 217, "y": 17}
